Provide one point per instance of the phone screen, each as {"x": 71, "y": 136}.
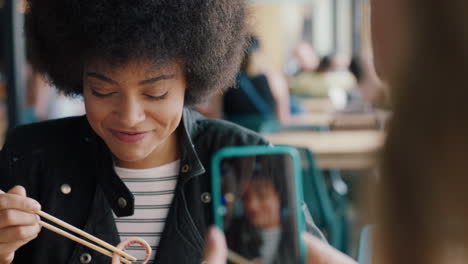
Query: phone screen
{"x": 260, "y": 219}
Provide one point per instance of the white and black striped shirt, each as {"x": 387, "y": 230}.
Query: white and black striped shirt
{"x": 153, "y": 190}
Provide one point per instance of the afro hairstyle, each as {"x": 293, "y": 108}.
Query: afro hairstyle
{"x": 208, "y": 36}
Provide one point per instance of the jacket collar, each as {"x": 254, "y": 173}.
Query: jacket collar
{"x": 191, "y": 165}
{"x": 115, "y": 190}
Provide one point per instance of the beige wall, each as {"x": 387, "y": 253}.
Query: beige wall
{"x": 345, "y": 27}
{"x": 278, "y": 26}
{"x": 323, "y": 27}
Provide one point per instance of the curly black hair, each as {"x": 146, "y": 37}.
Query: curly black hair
{"x": 209, "y": 36}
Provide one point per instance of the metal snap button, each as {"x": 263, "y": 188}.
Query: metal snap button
{"x": 206, "y": 197}
{"x": 185, "y": 168}
{"x": 85, "y": 258}
{"x": 122, "y": 202}
{"x": 65, "y": 188}
{"x": 86, "y": 139}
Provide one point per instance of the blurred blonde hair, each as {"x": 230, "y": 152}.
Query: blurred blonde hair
{"x": 423, "y": 210}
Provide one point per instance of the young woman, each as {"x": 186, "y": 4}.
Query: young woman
{"x": 137, "y": 164}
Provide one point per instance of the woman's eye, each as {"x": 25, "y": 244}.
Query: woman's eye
{"x": 98, "y": 94}
{"x": 160, "y": 97}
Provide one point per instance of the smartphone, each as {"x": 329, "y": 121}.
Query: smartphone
{"x": 257, "y": 193}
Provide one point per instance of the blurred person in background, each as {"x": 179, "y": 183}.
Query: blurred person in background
{"x": 358, "y": 96}
{"x": 304, "y": 59}
{"x": 340, "y": 73}
{"x": 258, "y": 75}
{"x": 340, "y": 62}
{"x": 252, "y": 94}
{"x": 369, "y": 91}
{"x": 328, "y": 79}
{"x": 312, "y": 83}
{"x": 260, "y": 90}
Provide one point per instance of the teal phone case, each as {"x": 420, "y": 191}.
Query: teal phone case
{"x": 218, "y": 208}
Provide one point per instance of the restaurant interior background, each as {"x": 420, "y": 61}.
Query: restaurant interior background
{"x": 345, "y": 143}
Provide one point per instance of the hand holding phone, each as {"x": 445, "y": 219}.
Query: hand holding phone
{"x": 256, "y": 204}
{"x": 318, "y": 252}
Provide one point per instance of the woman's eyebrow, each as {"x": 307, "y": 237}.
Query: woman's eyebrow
{"x": 155, "y": 79}
{"x": 100, "y": 77}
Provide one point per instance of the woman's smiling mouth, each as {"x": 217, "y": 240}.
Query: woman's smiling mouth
{"x": 129, "y": 137}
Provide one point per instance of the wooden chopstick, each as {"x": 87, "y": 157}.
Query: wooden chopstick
{"x": 236, "y": 258}
{"x": 84, "y": 234}
{"x": 80, "y": 232}
{"x": 79, "y": 240}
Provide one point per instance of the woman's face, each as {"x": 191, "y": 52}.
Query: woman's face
{"x": 136, "y": 109}
{"x": 262, "y": 204}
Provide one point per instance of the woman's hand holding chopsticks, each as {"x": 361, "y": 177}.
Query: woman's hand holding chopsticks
{"x": 19, "y": 222}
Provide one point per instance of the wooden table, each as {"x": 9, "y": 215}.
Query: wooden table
{"x": 352, "y": 121}
{"x": 311, "y": 119}
{"x": 345, "y": 150}
{"x": 336, "y": 120}
{"x": 321, "y": 112}
{"x": 317, "y": 105}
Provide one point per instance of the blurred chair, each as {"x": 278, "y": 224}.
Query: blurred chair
{"x": 248, "y": 106}
{"x": 329, "y": 214}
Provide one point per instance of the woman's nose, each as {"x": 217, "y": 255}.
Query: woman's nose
{"x": 130, "y": 112}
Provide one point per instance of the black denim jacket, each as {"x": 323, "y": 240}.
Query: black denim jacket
{"x": 66, "y": 167}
